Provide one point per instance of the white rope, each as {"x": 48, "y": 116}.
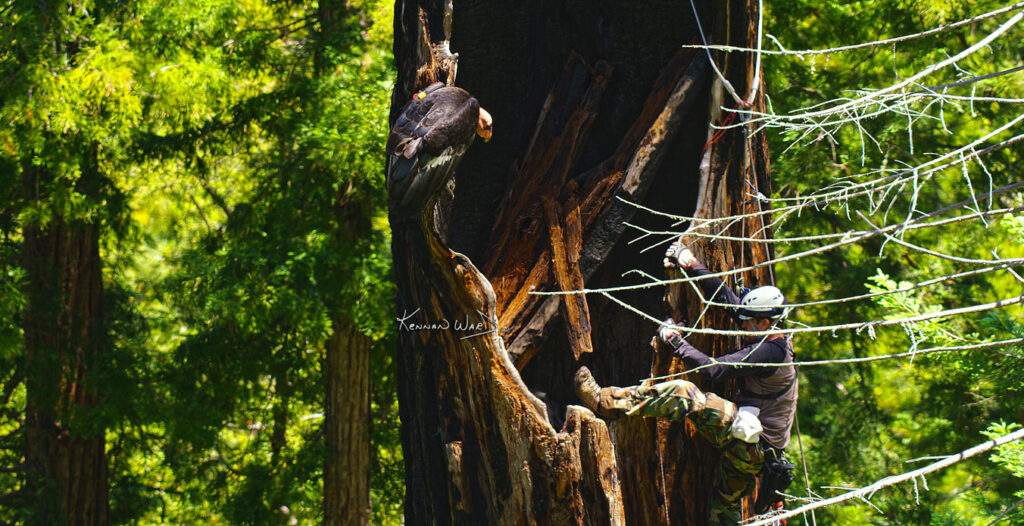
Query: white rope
{"x": 818, "y": 250}
{"x": 783, "y": 51}
{"x": 755, "y": 80}
{"x": 798, "y": 239}
{"x": 858, "y": 326}
{"x": 868, "y": 491}
{"x": 859, "y": 102}
{"x": 969, "y": 261}
{"x": 803, "y": 462}
{"x": 844, "y": 361}
{"x": 842, "y": 192}
{"x": 820, "y": 200}
{"x": 913, "y": 286}
{"x": 718, "y": 72}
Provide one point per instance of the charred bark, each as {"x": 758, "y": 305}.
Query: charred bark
{"x": 594, "y": 103}
{"x": 479, "y": 448}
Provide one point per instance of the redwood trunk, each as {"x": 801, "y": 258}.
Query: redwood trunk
{"x": 347, "y": 426}
{"x": 594, "y": 103}
{"x": 64, "y": 336}
{"x": 346, "y": 366}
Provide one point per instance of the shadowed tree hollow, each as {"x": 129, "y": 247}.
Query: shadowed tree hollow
{"x": 594, "y": 104}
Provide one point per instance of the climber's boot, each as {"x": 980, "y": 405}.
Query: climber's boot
{"x": 609, "y": 402}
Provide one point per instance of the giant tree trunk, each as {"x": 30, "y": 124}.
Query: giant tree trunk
{"x": 593, "y": 103}
{"x": 64, "y": 335}
{"x": 347, "y": 427}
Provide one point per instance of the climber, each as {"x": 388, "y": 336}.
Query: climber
{"x": 752, "y": 432}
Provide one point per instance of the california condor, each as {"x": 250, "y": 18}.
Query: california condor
{"x": 427, "y": 142}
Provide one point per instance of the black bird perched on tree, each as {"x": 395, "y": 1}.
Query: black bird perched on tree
{"x": 427, "y": 142}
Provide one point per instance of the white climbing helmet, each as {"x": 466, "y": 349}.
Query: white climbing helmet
{"x": 762, "y": 302}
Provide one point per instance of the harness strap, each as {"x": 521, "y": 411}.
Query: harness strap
{"x": 772, "y": 396}
{"x": 768, "y": 396}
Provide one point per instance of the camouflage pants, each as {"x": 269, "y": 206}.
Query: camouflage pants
{"x": 712, "y": 416}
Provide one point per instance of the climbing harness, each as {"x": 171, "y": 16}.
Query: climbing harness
{"x": 776, "y": 476}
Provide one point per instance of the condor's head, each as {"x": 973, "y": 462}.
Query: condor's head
{"x": 483, "y": 125}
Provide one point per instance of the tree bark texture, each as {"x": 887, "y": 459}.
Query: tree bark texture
{"x": 64, "y": 336}
{"x": 347, "y": 423}
{"x": 346, "y": 366}
{"x": 594, "y": 104}
{"x": 734, "y": 170}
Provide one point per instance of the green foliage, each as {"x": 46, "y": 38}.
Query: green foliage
{"x": 905, "y": 304}
{"x": 255, "y": 296}
{"x": 233, "y": 154}
{"x": 1014, "y": 226}
{"x": 1010, "y": 457}
{"x": 866, "y": 420}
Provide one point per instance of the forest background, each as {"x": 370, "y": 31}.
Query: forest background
{"x": 225, "y": 160}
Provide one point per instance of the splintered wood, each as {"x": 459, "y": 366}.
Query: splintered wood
{"x": 582, "y": 232}
{"x": 481, "y": 455}
{"x": 566, "y": 244}
{"x": 526, "y": 234}
{"x": 479, "y": 446}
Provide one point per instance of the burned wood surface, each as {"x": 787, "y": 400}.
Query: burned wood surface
{"x": 479, "y": 447}
{"x": 520, "y": 263}
{"x": 600, "y": 106}
{"x": 566, "y": 243}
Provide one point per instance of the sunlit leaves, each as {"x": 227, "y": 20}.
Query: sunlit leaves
{"x": 231, "y": 170}
{"x": 865, "y": 421}
{"x": 1010, "y": 456}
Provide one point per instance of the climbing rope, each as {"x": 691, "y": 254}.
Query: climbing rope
{"x": 661, "y": 466}
{"x": 803, "y": 462}
{"x": 721, "y": 131}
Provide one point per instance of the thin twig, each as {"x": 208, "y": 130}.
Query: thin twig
{"x": 783, "y": 51}
{"x": 821, "y": 249}
{"x": 1005, "y": 512}
{"x": 866, "y": 491}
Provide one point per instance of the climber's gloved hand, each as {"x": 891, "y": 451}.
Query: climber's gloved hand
{"x": 670, "y": 335}
{"x": 678, "y": 256}
{"x": 745, "y": 424}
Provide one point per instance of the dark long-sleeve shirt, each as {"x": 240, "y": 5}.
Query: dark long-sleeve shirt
{"x": 768, "y": 351}
{"x": 773, "y": 390}
{"x": 715, "y": 289}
